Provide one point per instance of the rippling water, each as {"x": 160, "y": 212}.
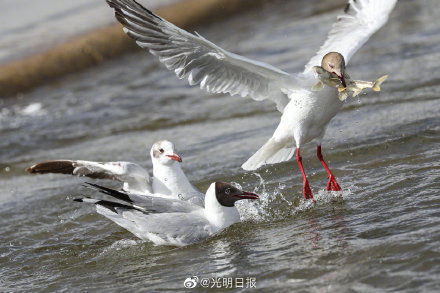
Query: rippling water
{"x": 30, "y": 26}
{"x": 383, "y": 148}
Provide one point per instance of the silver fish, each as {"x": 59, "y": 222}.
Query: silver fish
{"x": 355, "y": 86}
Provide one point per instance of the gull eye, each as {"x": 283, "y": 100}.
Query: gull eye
{"x": 161, "y": 151}
{"x": 228, "y": 191}
{"x": 331, "y": 66}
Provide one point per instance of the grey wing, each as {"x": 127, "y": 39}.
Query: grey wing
{"x": 158, "y": 204}
{"x": 170, "y": 228}
{"x": 199, "y": 60}
{"x": 361, "y": 19}
{"x": 178, "y": 228}
{"x": 134, "y": 176}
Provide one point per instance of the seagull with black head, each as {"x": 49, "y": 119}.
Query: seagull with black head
{"x": 167, "y": 221}
{"x": 305, "y": 113}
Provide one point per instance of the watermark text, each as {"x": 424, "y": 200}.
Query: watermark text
{"x": 221, "y": 283}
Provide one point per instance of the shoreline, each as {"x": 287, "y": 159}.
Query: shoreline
{"x": 95, "y": 47}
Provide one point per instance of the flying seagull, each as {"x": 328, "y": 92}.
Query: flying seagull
{"x": 305, "y": 114}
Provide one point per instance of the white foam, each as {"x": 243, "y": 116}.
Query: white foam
{"x": 122, "y": 244}
{"x": 33, "y": 109}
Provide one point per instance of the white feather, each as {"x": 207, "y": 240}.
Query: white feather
{"x": 352, "y": 29}
{"x": 166, "y": 221}
{"x": 199, "y": 60}
{"x": 305, "y": 114}
{"x": 271, "y": 152}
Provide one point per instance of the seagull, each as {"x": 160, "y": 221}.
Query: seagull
{"x": 168, "y": 177}
{"x": 167, "y": 221}
{"x": 305, "y": 114}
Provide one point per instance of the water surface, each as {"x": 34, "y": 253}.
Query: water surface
{"x": 30, "y": 27}
{"x": 384, "y": 235}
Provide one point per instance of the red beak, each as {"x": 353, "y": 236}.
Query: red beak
{"x": 248, "y": 195}
{"x": 343, "y": 80}
{"x": 341, "y": 77}
{"x": 175, "y": 157}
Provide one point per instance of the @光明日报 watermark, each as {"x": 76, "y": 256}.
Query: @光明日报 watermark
{"x": 225, "y": 283}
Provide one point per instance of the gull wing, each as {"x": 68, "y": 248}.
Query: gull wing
{"x": 137, "y": 178}
{"x": 147, "y": 203}
{"x": 361, "y": 19}
{"x": 169, "y": 228}
{"x": 178, "y": 229}
{"x": 160, "y": 220}
{"x": 199, "y": 60}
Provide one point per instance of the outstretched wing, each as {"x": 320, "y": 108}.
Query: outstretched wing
{"x": 199, "y": 60}
{"x": 361, "y": 19}
{"x": 134, "y": 176}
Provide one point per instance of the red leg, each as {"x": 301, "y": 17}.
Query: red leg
{"x": 306, "y": 187}
{"x": 332, "y": 184}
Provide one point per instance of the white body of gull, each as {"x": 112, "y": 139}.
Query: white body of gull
{"x": 305, "y": 114}
{"x": 166, "y": 221}
{"x": 168, "y": 179}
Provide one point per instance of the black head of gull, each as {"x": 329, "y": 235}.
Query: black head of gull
{"x": 306, "y": 114}
{"x": 227, "y": 194}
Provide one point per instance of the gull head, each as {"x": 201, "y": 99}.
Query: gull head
{"x": 227, "y": 194}
{"x": 163, "y": 152}
{"x": 334, "y": 62}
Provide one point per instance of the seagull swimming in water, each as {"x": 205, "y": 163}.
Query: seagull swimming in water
{"x": 168, "y": 177}
{"x": 305, "y": 114}
{"x": 166, "y": 221}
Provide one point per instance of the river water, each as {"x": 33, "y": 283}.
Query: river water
{"x": 383, "y": 235}
{"x": 30, "y": 27}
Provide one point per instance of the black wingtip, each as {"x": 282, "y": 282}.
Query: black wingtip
{"x": 131, "y": 4}
{"x": 145, "y": 9}
{"x": 91, "y": 186}
{"x": 111, "y": 205}
{"x": 87, "y": 184}
{"x": 108, "y": 191}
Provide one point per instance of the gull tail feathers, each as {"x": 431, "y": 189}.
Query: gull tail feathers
{"x": 115, "y": 212}
{"x": 270, "y": 153}
{"x": 378, "y": 83}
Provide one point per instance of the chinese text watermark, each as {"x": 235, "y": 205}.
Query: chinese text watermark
{"x": 221, "y": 283}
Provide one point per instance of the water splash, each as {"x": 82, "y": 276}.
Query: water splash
{"x": 34, "y": 109}
{"x": 16, "y": 116}
{"x": 274, "y": 205}
{"x": 119, "y": 245}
